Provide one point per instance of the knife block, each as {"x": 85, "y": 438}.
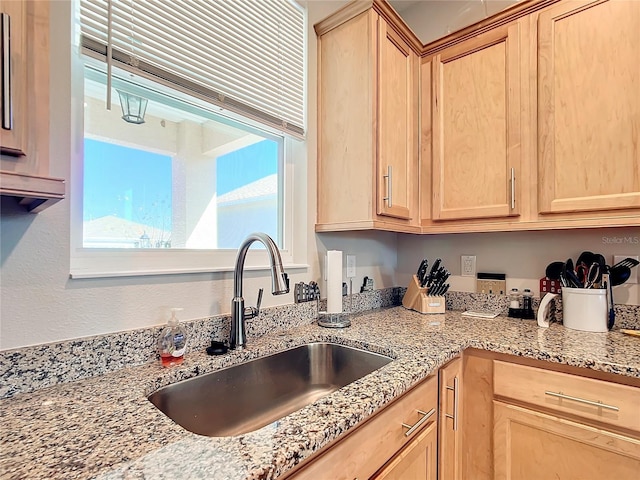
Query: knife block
{"x": 417, "y": 298}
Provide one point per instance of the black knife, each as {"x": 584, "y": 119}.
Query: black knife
{"x": 422, "y": 271}
{"x": 438, "y": 277}
{"x": 432, "y": 273}
{"x": 445, "y": 276}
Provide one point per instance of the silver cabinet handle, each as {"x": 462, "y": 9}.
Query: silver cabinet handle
{"x": 513, "y": 188}
{"x": 419, "y": 423}
{"x": 389, "y": 186}
{"x": 455, "y": 388}
{"x": 582, "y": 400}
{"x": 7, "y": 114}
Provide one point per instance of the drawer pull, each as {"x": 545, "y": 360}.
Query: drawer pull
{"x": 7, "y": 120}
{"x": 419, "y": 423}
{"x": 455, "y": 403}
{"x": 582, "y": 400}
{"x": 389, "y": 187}
{"x": 513, "y": 188}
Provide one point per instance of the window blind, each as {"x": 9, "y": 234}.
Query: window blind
{"x": 243, "y": 55}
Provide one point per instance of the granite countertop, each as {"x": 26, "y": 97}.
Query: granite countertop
{"x": 104, "y": 427}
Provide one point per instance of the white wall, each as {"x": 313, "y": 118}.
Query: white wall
{"x": 522, "y": 256}
{"x": 39, "y": 303}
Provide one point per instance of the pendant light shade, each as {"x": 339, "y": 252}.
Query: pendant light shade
{"x": 133, "y": 107}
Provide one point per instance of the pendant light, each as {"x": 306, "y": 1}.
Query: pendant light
{"x": 133, "y": 107}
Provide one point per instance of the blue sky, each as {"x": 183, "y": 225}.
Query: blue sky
{"x": 238, "y": 168}
{"x": 136, "y": 185}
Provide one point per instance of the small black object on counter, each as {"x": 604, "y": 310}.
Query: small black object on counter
{"x": 217, "y": 348}
{"x": 367, "y": 286}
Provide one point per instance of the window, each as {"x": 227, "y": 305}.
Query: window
{"x": 185, "y": 178}
{"x": 178, "y": 184}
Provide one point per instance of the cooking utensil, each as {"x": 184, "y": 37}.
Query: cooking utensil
{"x": 627, "y": 262}
{"x": 554, "y": 270}
{"x": 571, "y": 277}
{"x": 633, "y": 333}
{"x": 612, "y": 314}
{"x": 602, "y": 263}
{"x": 582, "y": 272}
{"x": 569, "y": 265}
{"x": 619, "y": 275}
{"x": 592, "y": 275}
{"x": 586, "y": 258}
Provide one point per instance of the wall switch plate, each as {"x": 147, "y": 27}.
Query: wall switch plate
{"x": 351, "y": 266}
{"x": 468, "y": 265}
{"x": 634, "y": 271}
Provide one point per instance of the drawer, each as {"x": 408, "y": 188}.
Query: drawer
{"x": 597, "y": 400}
{"x": 362, "y": 452}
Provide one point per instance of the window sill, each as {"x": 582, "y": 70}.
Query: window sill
{"x": 175, "y": 271}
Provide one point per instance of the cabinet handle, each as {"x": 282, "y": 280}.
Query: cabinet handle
{"x": 419, "y": 423}
{"x": 582, "y": 400}
{"x": 513, "y": 188}
{"x": 388, "y": 177}
{"x": 455, "y": 389}
{"x": 7, "y": 117}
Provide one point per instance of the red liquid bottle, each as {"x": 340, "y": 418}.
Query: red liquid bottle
{"x": 172, "y": 342}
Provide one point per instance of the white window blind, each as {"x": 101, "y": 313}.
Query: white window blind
{"x": 243, "y": 55}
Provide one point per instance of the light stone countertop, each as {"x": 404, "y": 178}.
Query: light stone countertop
{"x": 104, "y": 427}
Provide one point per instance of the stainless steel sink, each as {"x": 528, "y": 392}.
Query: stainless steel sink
{"x": 248, "y": 396}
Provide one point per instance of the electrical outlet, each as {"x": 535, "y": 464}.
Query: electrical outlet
{"x": 468, "y": 265}
{"x": 351, "y": 266}
{"x": 491, "y": 283}
{"x": 634, "y": 271}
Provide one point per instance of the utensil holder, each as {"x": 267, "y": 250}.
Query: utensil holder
{"x": 585, "y": 309}
{"x": 417, "y": 298}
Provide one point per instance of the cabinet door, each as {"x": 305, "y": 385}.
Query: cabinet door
{"x": 14, "y": 77}
{"x": 476, "y": 127}
{"x": 346, "y": 143}
{"x": 589, "y": 106}
{"x": 397, "y": 125}
{"x": 450, "y": 404}
{"x": 533, "y": 445}
{"x": 417, "y": 461}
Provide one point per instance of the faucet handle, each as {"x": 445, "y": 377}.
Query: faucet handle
{"x": 259, "y": 302}
{"x": 252, "y": 312}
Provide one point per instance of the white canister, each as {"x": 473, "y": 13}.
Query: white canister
{"x": 585, "y": 309}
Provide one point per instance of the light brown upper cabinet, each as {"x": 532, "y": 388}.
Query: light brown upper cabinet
{"x": 589, "y": 107}
{"x": 24, "y": 137}
{"x": 367, "y": 121}
{"x": 476, "y": 126}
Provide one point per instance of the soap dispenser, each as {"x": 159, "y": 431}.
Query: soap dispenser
{"x": 172, "y": 341}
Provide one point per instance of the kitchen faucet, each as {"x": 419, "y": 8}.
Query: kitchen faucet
{"x": 279, "y": 286}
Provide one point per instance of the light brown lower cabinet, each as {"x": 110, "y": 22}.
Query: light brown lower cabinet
{"x": 417, "y": 461}
{"x": 533, "y": 445}
{"x": 450, "y": 421}
{"x": 398, "y": 442}
{"x": 563, "y": 425}
{"x": 515, "y": 419}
